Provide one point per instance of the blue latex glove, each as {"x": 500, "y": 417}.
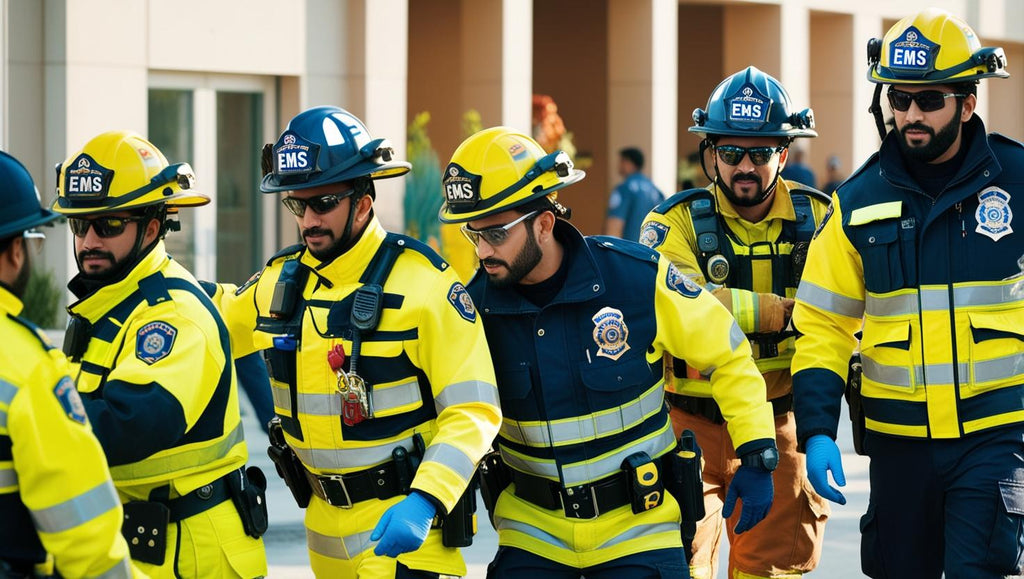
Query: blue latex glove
{"x": 755, "y": 487}
{"x": 404, "y": 526}
{"x": 823, "y": 456}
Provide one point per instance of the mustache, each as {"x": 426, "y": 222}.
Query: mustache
{"x": 917, "y": 127}
{"x": 95, "y": 253}
{"x": 493, "y": 262}
{"x": 317, "y": 231}
{"x": 750, "y": 176}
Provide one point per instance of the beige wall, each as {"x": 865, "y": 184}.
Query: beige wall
{"x": 831, "y": 94}
{"x": 435, "y": 70}
{"x": 1005, "y": 96}
{"x": 701, "y": 67}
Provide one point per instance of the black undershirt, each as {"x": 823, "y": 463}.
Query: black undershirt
{"x": 541, "y": 294}
{"x": 933, "y": 178}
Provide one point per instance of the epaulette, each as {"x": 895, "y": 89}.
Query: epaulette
{"x": 681, "y": 197}
{"x": 1004, "y": 140}
{"x": 800, "y": 188}
{"x": 35, "y": 330}
{"x": 290, "y": 250}
{"x": 423, "y": 249}
{"x": 630, "y": 248}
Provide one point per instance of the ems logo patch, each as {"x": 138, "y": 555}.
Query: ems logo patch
{"x": 86, "y": 179}
{"x": 459, "y": 298}
{"x": 994, "y": 214}
{"x": 69, "y": 400}
{"x": 461, "y": 188}
{"x": 610, "y": 333}
{"x": 294, "y": 155}
{"x": 912, "y": 52}
{"x": 680, "y": 282}
{"x": 748, "y": 106}
{"x": 653, "y": 234}
{"x": 154, "y": 341}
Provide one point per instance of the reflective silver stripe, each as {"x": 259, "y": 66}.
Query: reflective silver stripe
{"x": 348, "y": 458}
{"x": 8, "y": 477}
{"x": 936, "y": 374}
{"x": 508, "y": 525}
{"x": 465, "y": 393}
{"x": 156, "y": 466}
{"x": 585, "y": 428}
{"x": 451, "y": 457}
{"x": 821, "y": 298}
{"x": 545, "y": 468}
{"x": 883, "y": 374}
{"x": 736, "y": 336}
{"x": 7, "y": 392}
{"x": 639, "y": 531}
{"x": 81, "y": 509}
{"x": 583, "y": 472}
{"x": 344, "y": 548}
{"x": 281, "y": 398}
{"x": 999, "y": 368}
{"x": 122, "y": 570}
{"x": 936, "y": 299}
{"x": 391, "y": 397}
{"x": 3, "y": 418}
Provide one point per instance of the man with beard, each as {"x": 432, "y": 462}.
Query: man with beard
{"x": 379, "y": 368}
{"x": 920, "y": 250}
{"x": 744, "y": 237}
{"x": 57, "y": 501}
{"x": 153, "y": 363}
{"x": 577, "y": 328}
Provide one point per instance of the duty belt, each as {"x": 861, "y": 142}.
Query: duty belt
{"x": 345, "y": 490}
{"x": 579, "y": 502}
{"x": 708, "y": 408}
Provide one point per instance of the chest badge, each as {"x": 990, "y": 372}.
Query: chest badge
{"x": 993, "y": 214}
{"x": 610, "y": 333}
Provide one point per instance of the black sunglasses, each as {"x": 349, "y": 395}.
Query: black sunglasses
{"x": 733, "y": 154}
{"x": 927, "y": 100}
{"x": 105, "y": 226}
{"x": 320, "y": 204}
{"x": 494, "y": 236}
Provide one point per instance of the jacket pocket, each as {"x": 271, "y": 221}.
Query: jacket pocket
{"x": 515, "y": 383}
{"x": 879, "y": 248}
{"x": 886, "y": 356}
{"x": 617, "y": 376}
{"x": 1006, "y": 543}
{"x": 996, "y": 349}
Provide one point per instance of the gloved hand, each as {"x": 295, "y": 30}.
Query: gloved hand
{"x": 823, "y": 456}
{"x": 404, "y": 526}
{"x": 753, "y": 485}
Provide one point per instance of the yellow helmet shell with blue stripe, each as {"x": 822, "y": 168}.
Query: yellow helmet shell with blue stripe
{"x": 498, "y": 169}
{"x": 121, "y": 171}
{"x": 933, "y": 47}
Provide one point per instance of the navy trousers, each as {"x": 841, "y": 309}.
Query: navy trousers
{"x": 513, "y": 563}
{"x": 953, "y": 506}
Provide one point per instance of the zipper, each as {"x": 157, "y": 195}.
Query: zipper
{"x": 960, "y": 213}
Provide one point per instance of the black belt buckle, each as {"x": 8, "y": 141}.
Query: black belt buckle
{"x": 580, "y": 502}
{"x": 334, "y": 491}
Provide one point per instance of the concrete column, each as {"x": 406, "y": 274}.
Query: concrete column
{"x": 795, "y": 61}
{"x": 752, "y": 35}
{"x": 642, "y": 85}
{"x": 517, "y": 64}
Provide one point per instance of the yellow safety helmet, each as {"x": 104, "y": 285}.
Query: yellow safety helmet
{"x": 932, "y": 47}
{"x": 500, "y": 168}
{"x": 119, "y": 171}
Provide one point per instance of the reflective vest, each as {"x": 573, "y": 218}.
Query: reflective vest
{"x": 426, "y": 361}
{"x": 156, "y": 379}
{"x": 936, "y": 282}
{"x": 702, "y": 233}
{"x": 56, "y": 495}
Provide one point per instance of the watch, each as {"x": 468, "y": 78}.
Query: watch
{"x": 766, "y": 459}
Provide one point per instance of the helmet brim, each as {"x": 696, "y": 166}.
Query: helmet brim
{"x": 784, "y": 133}
{"x": 446, "y": 216}
{"x": 182, "y": 199}
{"x": 29, "y": 222}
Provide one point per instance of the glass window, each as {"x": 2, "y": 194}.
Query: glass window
{"x": 239, "y": 142}
{"x": 170, "y": 129}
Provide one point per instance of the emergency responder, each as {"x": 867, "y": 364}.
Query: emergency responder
{"x": 153, "y": 364}
{"x": 378, "y": 362}
{"x": 919, "y": 247}
{"x": 744, "y": 237}
{"x": 577, "y": 328}
{"x": 56, "y": 495}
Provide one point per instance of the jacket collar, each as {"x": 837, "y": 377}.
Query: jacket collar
{"x": 94, "y": 305}
{"x": 782, "y": 204}
{"x": 9, "y": 303}
{"x": 583, "y": 280}
{"x": 348, "y": 267}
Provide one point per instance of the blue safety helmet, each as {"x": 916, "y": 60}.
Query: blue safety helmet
{"x": 752, "y": 103}
{"x": 19, "y": 199}
{"x": 326, "y": 145}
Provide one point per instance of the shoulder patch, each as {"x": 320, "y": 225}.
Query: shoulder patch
{"x": 681, "y": 197}
{"x": 154, "y": 342}
{"x": 69, "y": 399}
{"x": 653, "y": 234}
{"x": 680, "y": 282}
{"x": 459, "y": 298}
{"x": 288, "y": 251}
{"x": 249, "y": 283}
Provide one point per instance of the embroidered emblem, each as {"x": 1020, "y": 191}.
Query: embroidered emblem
{"x": 87, "y": 179}
{"x": 748, "y": 106}
{"x": 154, "y": 341}
{"x": 294, "y": 155}
{"x": 459, "y": 298}
{"x": 610, "y": 333}
{"x": 461, "y": 188}
{"x": 69, "y": 400}
{"x": 653, "y": 234}
{"x": 994, "y": 215}
{"x": 680, "y": 282}
{"x": 912, "y": 52}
